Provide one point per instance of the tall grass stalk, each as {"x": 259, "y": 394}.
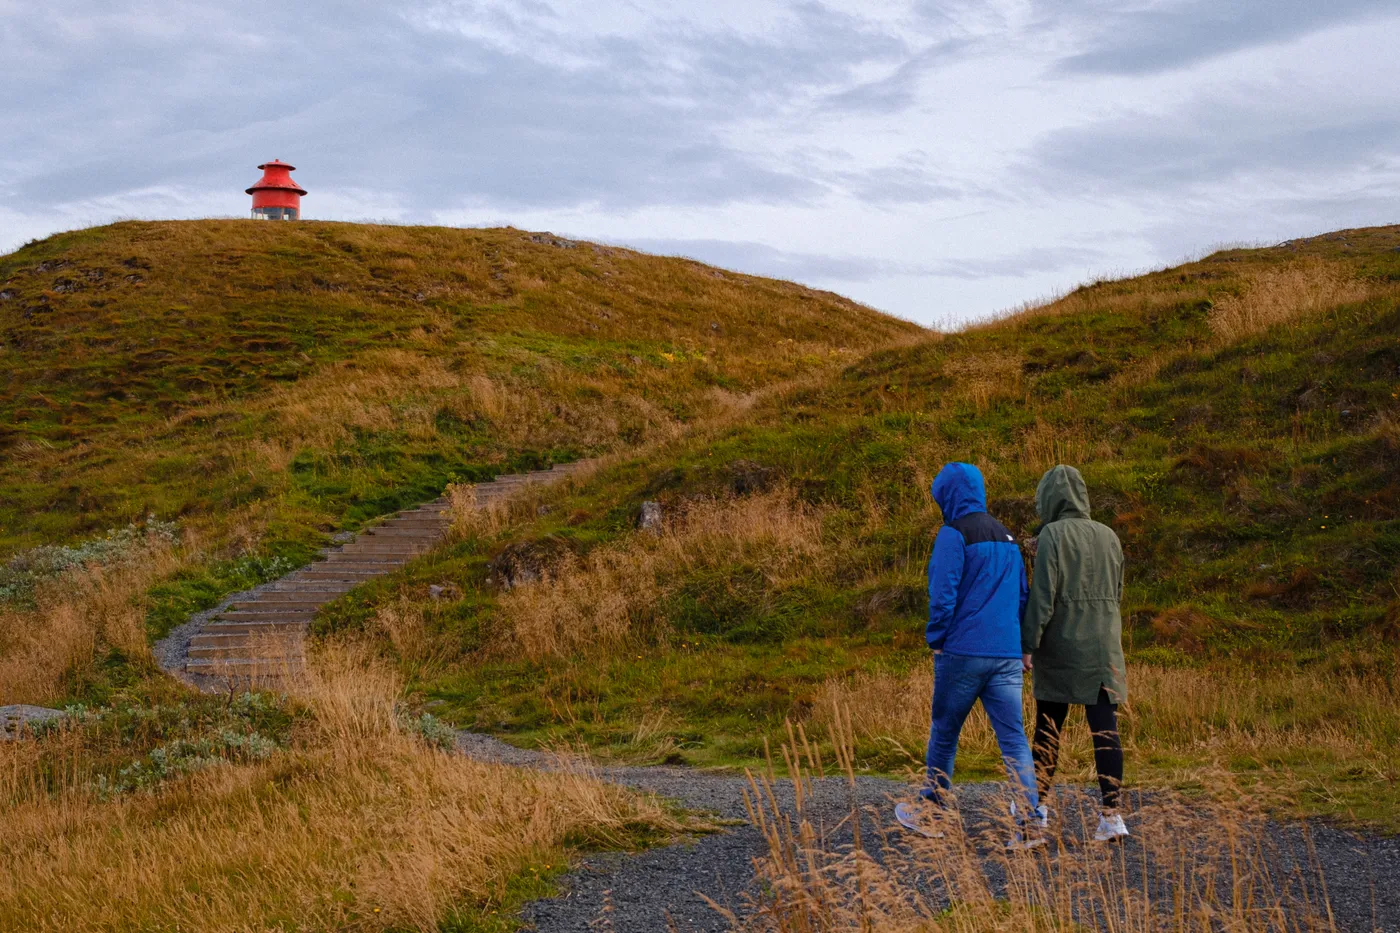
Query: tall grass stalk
{"x": 612, "y": 596}
{"x": 1284, "y": 294}
{"x": 1178, "y": 722}
{"x": 76, "y": 616}
{"x": 1191, "y": 867}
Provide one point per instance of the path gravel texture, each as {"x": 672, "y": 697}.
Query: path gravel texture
{"x": 661, "y": 889}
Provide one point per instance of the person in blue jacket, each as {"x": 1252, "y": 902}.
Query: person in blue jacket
{"x": 976, "y": 596}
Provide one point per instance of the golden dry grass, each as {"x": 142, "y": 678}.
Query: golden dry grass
{"x": 1043, "y": 445}
{"x": 1198, "y": 867}
{"x": 985, "y": 377}
{"x": 611, "y": 597}
{"x": 77, "y": 618}
{"x": 1129, "y": 295}
{"x": 1178, "y": 721}
{"x": 1282, "y": 294}
{"x": 361, "y": 827}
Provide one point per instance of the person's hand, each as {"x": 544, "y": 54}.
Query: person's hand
{"x": 937, "y": 652}
{"x": 1026, "y": 664}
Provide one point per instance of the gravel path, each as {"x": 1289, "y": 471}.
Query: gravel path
{"x": 659, "y": 889}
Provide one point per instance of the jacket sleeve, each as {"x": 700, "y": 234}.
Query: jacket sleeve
{"x": 1040, "y": 605}
{"x": 945, "y": 569}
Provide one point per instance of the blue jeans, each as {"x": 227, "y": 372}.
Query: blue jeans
{"x": 960, "y": 681}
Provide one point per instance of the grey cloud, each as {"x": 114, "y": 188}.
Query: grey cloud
{"x": 353, "y": 95}
{"x": 899, "y": 89}
{"x": 916, "y": 179}
{"x": 760, "y": 259}
{"x": 1142, "y": 39}
{"x": 1022, "y": 263}
{"x": 1271, "y": 220}
{"x": 1207, "y": 142}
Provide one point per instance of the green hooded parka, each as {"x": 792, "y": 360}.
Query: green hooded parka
{"x": 1072, "y": 626}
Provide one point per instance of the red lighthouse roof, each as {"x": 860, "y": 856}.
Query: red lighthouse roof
{"x": 276, "y": 196}
{"x": 276, "y": 177}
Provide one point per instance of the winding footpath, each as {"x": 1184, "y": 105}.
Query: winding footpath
{"x": 258, "y": 636}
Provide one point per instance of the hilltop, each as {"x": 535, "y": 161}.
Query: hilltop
{"x": 298, "y": 378}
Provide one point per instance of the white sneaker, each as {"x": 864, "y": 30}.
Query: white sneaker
{"x": 1022, "y": 842}
{"x": 1111, "y": 827}
{"x": 1042, "y": 816}
{"x": 918, "y": 818}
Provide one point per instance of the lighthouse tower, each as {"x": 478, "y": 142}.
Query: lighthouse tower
{"x": 276, "y": 196}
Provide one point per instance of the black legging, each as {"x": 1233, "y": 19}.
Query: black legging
{"x": 1108, "y": 750}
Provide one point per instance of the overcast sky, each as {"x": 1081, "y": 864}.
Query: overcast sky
{"x": 938, "y": 160}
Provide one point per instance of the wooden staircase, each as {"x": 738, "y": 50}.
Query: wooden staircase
{"x": 263, "y": 636}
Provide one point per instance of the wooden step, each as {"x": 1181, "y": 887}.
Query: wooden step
{"x": 386, "y": 552}
{"x": 377, "y": 565}
{"x": 402, "y": 521}
{"x": 332, "y": 575}
{"x": 316, "y": 589}
{"x": 284, "y": 599}
{"x": 251, "y": 628}
{"x": 420, "y": 529}
{"x": 244, "y": 667}
{"x": 247, "y": 639}
{"x": 269, "y": 615}
{"x": 389, "y": 545}
{"x": 266, "y": 650}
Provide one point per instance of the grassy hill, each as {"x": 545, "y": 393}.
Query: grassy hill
{"x": 298, "y": 378}
{"x": 255, "y": 387}
{"x": 1236, "y": 419}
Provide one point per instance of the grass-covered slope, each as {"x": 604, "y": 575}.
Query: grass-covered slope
{"x": 1237, "y": 421}
{"x": 295, "y": 377}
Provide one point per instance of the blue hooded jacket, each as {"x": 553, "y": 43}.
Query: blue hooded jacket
{"x": 976, "y": 578}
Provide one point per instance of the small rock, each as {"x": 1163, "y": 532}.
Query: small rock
{"x": 342, "y": 537}
{"x": 549, "y": 239}
{"x": 746, "y": 476}
{"x": 65, "y": 285}
{"x": 650, "y": 518}
{"x": 8, "y": 294}
{"x": 444, "y": 591}
{"x": 525, "y": 562}
{"x": 13, "y": 719}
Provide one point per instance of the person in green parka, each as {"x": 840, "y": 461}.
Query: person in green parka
{"x": 1072, "y": 637}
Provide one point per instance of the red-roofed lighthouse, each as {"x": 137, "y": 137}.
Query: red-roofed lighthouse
{"x": 276, "y": 196}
